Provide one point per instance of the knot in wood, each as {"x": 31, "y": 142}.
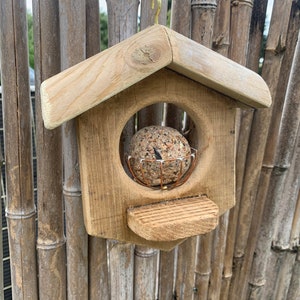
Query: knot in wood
{"x": 145, "y": 55}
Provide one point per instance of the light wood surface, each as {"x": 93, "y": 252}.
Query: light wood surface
{"x": 85, "y": 85}
{"x": 130, "y": 76}
{"x": 173, "y": 220}
{"x": 108, "y": 192}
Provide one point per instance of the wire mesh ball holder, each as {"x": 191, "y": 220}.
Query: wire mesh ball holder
{"x": 160, "y": 158}
{"x": 144, "y": 170}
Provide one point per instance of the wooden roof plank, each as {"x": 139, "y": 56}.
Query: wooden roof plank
{"x": 85, "y": 85}
{"x": 217, "y": 72}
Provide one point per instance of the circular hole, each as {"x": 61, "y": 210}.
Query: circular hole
{"x": 158, "y": 146}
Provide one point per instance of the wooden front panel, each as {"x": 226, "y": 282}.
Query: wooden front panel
{"x": 108, "y": 191}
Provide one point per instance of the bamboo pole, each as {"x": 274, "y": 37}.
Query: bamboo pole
{"x": 294, "y": 290}
{"x": 279, "y": 289}
{"x": 291, "y": 114}
{"x": 239, "y": 30}
{"x": 275, "y": 260}
{"x": 257, "y": 141}
{"x": 122, "y": 23}
{"x": 254, "y": 160}
{"x": 221, "y": 41}
{"x": 259, "y": 267}
{"x": 97, "y": 255}
{"x": 51, "y": 240}
{"x": 285, "y": 216}
{"x": 254, "y": 230}
{"x": 203, "y": 266}
{"x": 295, "y": 232}
{"x": 244, "y": 120}
{"x": 185, "y": 271}
{"x": 92, "y": 27}
{"x": 286, "y": 163}
{"x": 275, "y": 202}
{"x": 283, "y": 254}
{"x": 264, "y": 276}
{"x": 217, "y": 262}
{"x": 145, "y": 272}
{"x": 166, "y": 274}
{"x": 255, "y": 152}
{"x": 282, "y": 41}
{"x": 278, "y": 174}
{"x": 121, "y": 270}
{"x": 20, "y": 209}
{"x": 181, "y": 16}
{"x": 283, "y": 231}
{"x": 122, "y": 20}
{"x": 240, "y": 26}
{"x": 221, "y": 37}
{"x": 274, "y": 62}
{"x": 98, "y": 269}
{"x": 281, "y": 264}
{"x": 73, "y": 44}
{"x": 256, "y": 33}
{"x": 241, "y": 12}
{"x": 203, "y": 16}
{"x": 1, "y": 233}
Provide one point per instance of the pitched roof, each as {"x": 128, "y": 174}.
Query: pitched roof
{"x": 85, "y": 85}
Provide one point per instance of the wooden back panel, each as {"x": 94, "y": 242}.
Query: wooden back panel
{"x": 108, "y": 191}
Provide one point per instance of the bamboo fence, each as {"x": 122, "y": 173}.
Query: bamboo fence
{"x": 20, "y": 208}
{"x": 1, "y": 234}
{"x": 254, "y": 252}
{"x": 51, "y": 240}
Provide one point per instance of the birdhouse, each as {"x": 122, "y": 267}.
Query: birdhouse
{"x": 170, "y": 189}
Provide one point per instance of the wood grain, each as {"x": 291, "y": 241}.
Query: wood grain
{"x": 104, "y": 75}
{"x": 95, "y": 80}
{"x": 173, "y": 220}
{"x": 108, "y": 191}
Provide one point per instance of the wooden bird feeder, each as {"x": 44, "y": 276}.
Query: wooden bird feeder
{"x": 106, "y": 90}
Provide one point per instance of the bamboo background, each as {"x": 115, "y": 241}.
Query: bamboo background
{"x": 253, "y": 253}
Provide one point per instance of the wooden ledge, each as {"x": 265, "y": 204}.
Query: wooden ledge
{"x": 174, "y": 219}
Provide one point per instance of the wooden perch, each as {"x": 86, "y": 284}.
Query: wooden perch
{"x": 175, "y": 219}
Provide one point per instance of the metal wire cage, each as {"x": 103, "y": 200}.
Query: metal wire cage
{"x": 164, "y": 174}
